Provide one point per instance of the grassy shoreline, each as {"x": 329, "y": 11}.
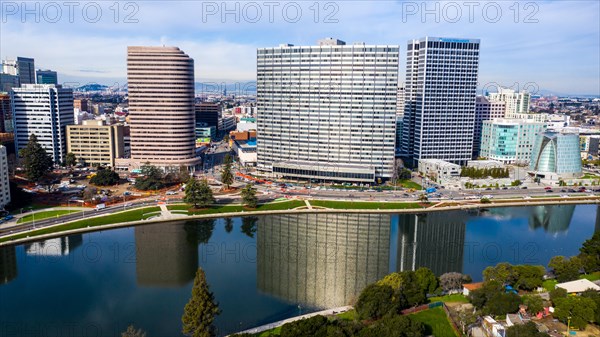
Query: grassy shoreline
{"x": 123, "y": 218}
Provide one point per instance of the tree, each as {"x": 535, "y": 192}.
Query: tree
{"x": 528, "y": 329}
{"x": 184, "y": 174}
{"x": 580, "y": 310}
{"x": 36, "y": 161}
{"x": 249, "y": 196}
{"x": 226, "y": 138}
{"x": 594, "y": 296}
{"x": 557, "y": 293}
{"x": 534, "y": 303}
{"x": 427, "y": 280}
{"x": 200, "y": 311}
{"x": 501, "y": 303}
{"x": 403, "y": 173}
{"x": 151, "y": 179}
{"x": 228, "y": 225}
{"x": 132, "y": 332}
{"x": 71, "y": 160}
{"x": 394, "y": 326}
{"x": 392, "y": 280}
{"x": 198, "y": 193}
{"x": 374, "y": 301}
{"x": 481, "y": 296}
{"x": 529, "y": 277}
{"x": 451, "y": 282}
{"x": 423, "y": 198}
{"x": 503, "y": 272}
{"x": 565, "y": 269}
{"x": 590, "y": 253}
{"x": 226, "y": 174}
{"x": 249, "y": 225}
{"x": 18, "y": 197}
{"x": 105, "y": 177}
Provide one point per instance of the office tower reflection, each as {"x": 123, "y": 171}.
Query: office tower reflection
{"x": 552, "y": 218}
{"x": 165, "y": 255}
{"x": 8, "y": 264}
{"x": 321, "y": 260}
{"x": 597, "y": 227}
{"x": 433, "y": 240}
{"x": 62, "y": 246}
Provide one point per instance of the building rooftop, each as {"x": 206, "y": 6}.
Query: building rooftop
{"x": 473, "y": 286}
{"x": 578, "y": 286}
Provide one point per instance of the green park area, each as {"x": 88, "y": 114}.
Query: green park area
{"x": 127, "y": 216}
{"x": 215, "y": 209}
{"x": 409, "y": 184}
{"x": 46, "y": 215}
{"x": 364, "y": 204}
{"x": 435, "y": 321}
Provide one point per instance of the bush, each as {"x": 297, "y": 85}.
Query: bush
{"x": 485, "y": 201}
{"x": 374, "y": 301}
{"x": 105, "y": 178}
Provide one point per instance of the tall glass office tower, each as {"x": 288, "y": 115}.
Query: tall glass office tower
{"x": 328, "y": 111}
{"x": 439, "y": 107}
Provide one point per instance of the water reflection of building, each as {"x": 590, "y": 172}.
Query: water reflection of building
{"x": 553, "y": 219}
{"x": 8, "y": 264}
{"x": 165, "y": 255}
{"x": 54, "y": 247}
{"x": 433, "y": 240}
{"x": 321, "y": 260}
{"x": 597, "y": 227}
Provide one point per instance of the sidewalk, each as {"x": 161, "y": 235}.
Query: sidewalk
{"x": 273, "y": 325}
{"x": 13, "y": 222}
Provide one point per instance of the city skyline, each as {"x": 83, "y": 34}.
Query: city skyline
{"x": 513, "y": 54}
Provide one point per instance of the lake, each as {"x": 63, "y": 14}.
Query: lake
{"x": 261, "y": 269}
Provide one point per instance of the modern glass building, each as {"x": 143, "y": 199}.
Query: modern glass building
{"x": 439, "y": 104}
{"x": 327, "y": 111}
{"x": 46, "y": 77}
{"x": 509, "y": 141}
{"x": 556, "y": 155}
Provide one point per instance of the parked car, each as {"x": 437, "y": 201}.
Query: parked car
{"x": 549, "y": 191}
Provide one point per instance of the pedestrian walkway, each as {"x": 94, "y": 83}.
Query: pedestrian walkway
{"x": 273, "y": 325}
{"x": 165, "y": 214}
{"x": 308, "y": 204}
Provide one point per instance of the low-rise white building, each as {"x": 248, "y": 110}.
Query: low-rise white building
{"x": 482, "y": 164}
{"x": 246, "y": 151}
{"x": 439, "y": 169}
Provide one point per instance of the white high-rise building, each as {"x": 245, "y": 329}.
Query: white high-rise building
{"x": 516, "y": 102}
{"x": 327, "y": 111}
{"x": 439, "y": 105}
{"x": 4, "y": 186}
{"x": 44, "y": 110}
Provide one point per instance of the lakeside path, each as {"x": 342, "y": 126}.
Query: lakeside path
{"x": 274, "y": 325}
{"x": 460, "y": 205}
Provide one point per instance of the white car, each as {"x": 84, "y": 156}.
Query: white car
{"x": 526, "y": 197}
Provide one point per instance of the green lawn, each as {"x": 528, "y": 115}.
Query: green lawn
{"x": 133, "y": 215}
{"x": 273, "y": 206}
{"x": 409, "y": 184}
{"x": 273, "y": 332}
{"x": 549, "y": 284}
{"x": 435, "y": 321}
{"x": 449, "y": 298}
{"x": 349, "y": 315}
{"x": 45, "y": 215}
{"x": 364, "y": 204}
{"x": 595, "y": 276}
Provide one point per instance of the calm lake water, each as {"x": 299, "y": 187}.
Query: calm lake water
{"x": 261, "y": 269}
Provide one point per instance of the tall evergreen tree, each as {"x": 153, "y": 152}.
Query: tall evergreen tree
{"x": 200, "y": 311}
{"x": 36, "y": 161}
{"x": 198, "y": 193}
{"x": 70, "y": 159}
{"x": 249, "y": 196}
{"x": 226, "y": 174}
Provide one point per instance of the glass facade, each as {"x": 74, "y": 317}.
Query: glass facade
{"x": 509, "y": 141}
{"x": 555, "y": 152}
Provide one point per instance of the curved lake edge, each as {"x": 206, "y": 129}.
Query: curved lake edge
{"x": 530, "y": 202}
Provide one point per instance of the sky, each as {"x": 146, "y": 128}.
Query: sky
{"x": 542, "y": 46}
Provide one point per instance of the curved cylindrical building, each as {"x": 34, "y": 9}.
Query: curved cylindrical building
{"x": 161, "y": 106}
{"x": 556, "y": 155}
